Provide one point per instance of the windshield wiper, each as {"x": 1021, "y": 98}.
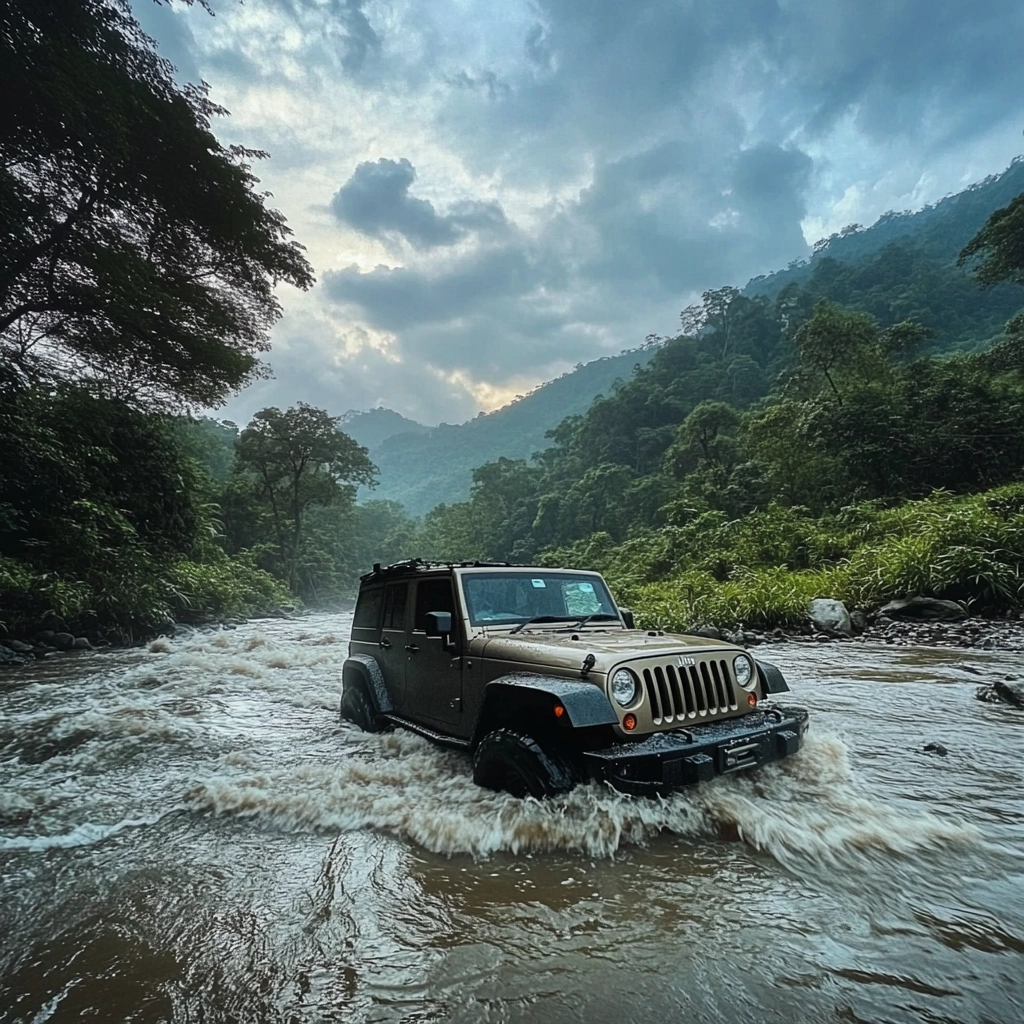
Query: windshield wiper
{"x": 594, "y": 617}
{"x": 538, "y": 618}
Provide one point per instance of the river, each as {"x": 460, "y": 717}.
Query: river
{"x": 188, "y": 834}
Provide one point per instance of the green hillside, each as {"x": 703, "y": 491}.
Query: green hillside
{"x": 422, "y": 470}
{"x": 905, "y": 267}
{"x": 373, "y": 426}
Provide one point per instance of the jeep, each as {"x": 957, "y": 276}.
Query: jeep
{"x": 544, "y": 680}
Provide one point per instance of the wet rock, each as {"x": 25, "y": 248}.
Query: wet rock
{"x": 927, "y": 609}
{"x": 858, "y": 620}
{"x": 829, "y": 616}
{"x": 702, "y": 629}
{"x": 63, "y": 641}
{"x": 81, "y": 644}
{"x": 8, "y": 659}
{"x": 935, "y": 748}
{"x": 18, "y": 646}
{"x": 1002, "y": 693}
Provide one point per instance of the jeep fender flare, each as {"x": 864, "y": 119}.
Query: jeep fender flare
{"x": 361, "y": 669}
{"x": 528, "y": 701}
{"x": 772, "y": 679}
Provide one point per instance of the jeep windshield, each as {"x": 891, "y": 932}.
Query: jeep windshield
{"x": 510, "y": 598}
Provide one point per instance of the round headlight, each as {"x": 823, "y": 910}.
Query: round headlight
{"x": 744, "y": 670}
{"x": 624, "y": 687}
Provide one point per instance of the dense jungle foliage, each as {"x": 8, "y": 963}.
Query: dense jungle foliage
{"x": 137, "y": 272}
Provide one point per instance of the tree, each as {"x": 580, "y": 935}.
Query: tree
{"x": 704, "y": 432}
{"x": 999, "y": 247}
{"x": 134, "y": 247}
{"x": 300, "y": 458}
{"x": 834, "y": 339}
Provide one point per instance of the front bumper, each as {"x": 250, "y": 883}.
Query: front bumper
{"x": 668, "y": 760}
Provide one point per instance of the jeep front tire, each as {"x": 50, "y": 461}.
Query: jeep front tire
{"x": 515, "y": 763}
{"x": 357, "y": 708}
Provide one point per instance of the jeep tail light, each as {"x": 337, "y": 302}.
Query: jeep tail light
{"x": 559, "y": 711}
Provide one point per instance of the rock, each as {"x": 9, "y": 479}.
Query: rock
{"x": 63, "y": 641}
{"x": 45, "y": 637}
{"x": 711, "y": 632}
{"x": 935, "y": 748}
{"x": 8, "y": 659}
{"x": 1002, "y": 693}
{"x": 81, "y": 644}
{"x": 18, "y": 646}
{"x": 858, "y": 620}
{"x": 829, "y": 615}
{"x": 927, "y": 609}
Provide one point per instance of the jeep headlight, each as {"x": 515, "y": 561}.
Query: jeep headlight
{"x": 744, "y": 670}
{"x": 625, "y": 687}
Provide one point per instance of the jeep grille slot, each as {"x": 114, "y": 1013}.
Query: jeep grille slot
{"x": 694, "y": 691}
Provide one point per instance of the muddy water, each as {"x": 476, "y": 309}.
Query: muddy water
{"x": 188, "y": 834}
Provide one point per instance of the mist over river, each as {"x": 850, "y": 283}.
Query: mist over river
{"x": 188, "y": 834}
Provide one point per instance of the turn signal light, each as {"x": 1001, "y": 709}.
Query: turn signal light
{"x": 752, "y": 699}
{"x": 559, "y": 711}
{"x": 629, "y": 722}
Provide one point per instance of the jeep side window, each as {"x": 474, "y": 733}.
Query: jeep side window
{"x": 368, "y": 609}
{"x": 394, "y": 605}
{"x": 432, "y": 596}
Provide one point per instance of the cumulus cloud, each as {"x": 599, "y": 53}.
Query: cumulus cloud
{"x": 563, "y": 176}
{"x": 376, "y": 201}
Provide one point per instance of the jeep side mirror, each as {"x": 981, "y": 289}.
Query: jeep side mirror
{"x": 627, "y": 618}
{"x": 439, "y": 623}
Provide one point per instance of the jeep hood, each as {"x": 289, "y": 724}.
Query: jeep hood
{"x": 542, "y": 648}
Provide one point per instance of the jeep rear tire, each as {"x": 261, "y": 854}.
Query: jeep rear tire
{"x": 357, "y": 708}
{"x": 515, "y": 763}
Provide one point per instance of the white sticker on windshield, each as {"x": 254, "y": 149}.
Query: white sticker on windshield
{"x": 539, "y": 583}
{"x": 587, "y": 588}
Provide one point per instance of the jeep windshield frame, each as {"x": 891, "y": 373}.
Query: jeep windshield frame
{"x": 504, "y": 598}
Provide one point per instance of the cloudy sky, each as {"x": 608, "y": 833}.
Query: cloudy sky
{"x": 491, "y": 191}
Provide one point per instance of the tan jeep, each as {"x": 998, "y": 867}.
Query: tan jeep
{"x": 543, "y": 679}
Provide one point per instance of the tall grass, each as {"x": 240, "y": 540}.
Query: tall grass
{"x": 763, "y": 569}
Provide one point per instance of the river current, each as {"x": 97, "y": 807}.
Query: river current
{"x": 188, "y": 834}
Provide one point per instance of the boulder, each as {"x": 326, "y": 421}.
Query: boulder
{"x": 829, "y": 616}
{"x": 81, "y": 644}
{"x": 1002, "y": 693}
{"x": 711, "y": 632}
{"x": 924, "y": 609}
{"x": 63, "y": 641}
{"x": 18, "y": 646}
{"x": 935, "y": 748}
{"x": 9, "y": 658}
{"x": 858, "y": 620}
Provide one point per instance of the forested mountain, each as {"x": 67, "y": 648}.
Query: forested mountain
{"x": 424, "y": 469}
{"x": 905, "y": 266}
{"x": 373, "y": 426}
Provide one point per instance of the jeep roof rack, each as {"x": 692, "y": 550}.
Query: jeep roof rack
{"x": 409, "y": 566}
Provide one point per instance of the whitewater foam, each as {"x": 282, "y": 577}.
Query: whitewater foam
{"x": 805, "y": 808}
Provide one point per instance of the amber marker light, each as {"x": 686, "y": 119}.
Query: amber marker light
{"x": 752, "y": 699}
{"x": 559, "y": 711}
{"x": 629, "y": 722}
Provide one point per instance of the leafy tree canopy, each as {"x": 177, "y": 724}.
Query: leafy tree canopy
{"x": 1000, "y": 246}
{"x": 134, "y": 247}
{"x": 300, "y": 459}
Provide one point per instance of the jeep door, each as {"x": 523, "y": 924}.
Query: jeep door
{"x": 392, "y": 654}
{"x": 433, "y": 675}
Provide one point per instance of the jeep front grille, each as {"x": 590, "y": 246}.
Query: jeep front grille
{"x": 702, "y": 690}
